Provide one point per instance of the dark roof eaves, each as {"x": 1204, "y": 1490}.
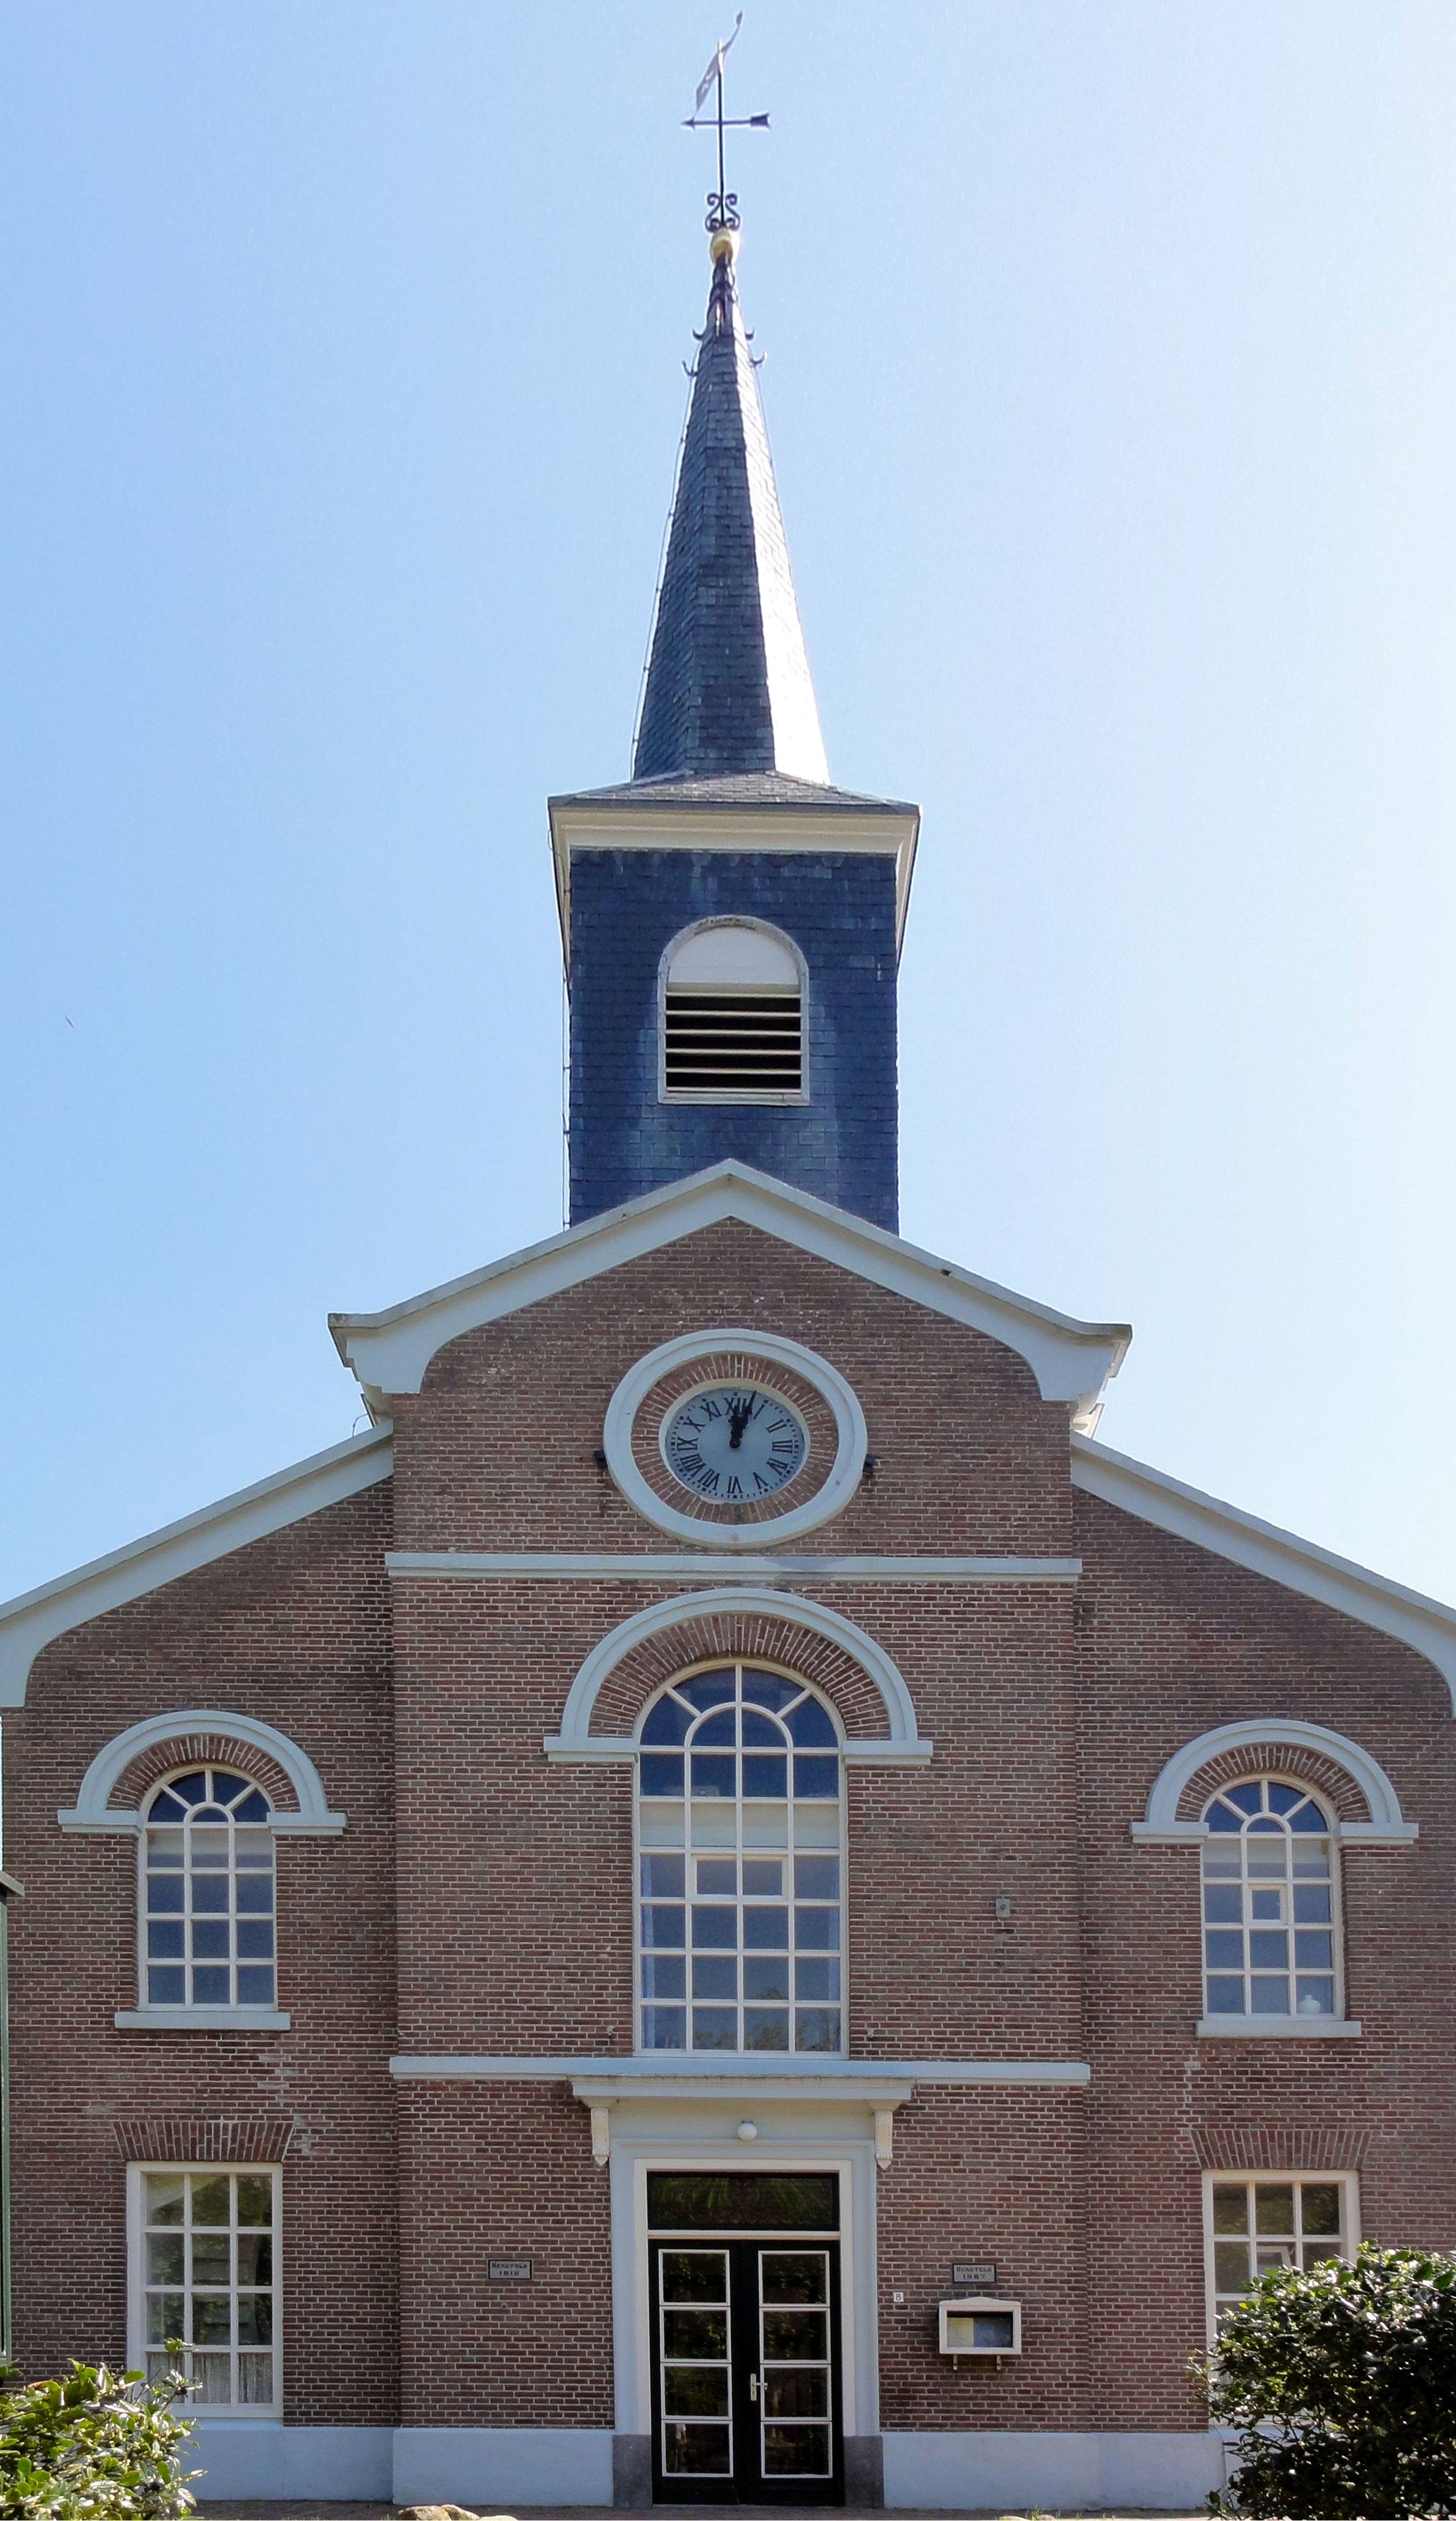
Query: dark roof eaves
{"x": 832, "y": 800}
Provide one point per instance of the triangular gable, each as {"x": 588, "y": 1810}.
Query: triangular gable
{"x": 1248, "y": 1542}
{"x": 390, "y": 1351}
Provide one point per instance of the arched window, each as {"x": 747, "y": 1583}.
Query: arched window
{"x": 208, "y": 1892}
{"x": 739, "y": 1827}
{"x": 1269, "y": 1939}
{"x": 733, "y": 1017}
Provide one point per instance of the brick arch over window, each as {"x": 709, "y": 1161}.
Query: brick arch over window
{"x": 123, "y": 1772}
{"x": 1354, "y": 1785}
{"x": 740, "y": 1637}
{"x": 740, "y": 1624}
{"x": 201, "y": 1751}
{"x": 1314, "y": 1770}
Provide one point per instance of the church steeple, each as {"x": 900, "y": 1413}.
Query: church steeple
{"x": 728, "y": 686}
{"x": 731, "y": 922}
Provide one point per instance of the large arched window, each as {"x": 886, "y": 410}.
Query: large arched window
{"x": 208, "y": 1892}
{"x": 1270, "y": 1945}
{"x": 739, "y": 1855}
{"x": 733, "y": 1016}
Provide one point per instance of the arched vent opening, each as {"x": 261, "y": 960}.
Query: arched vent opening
{"x": 733, "y": 1017}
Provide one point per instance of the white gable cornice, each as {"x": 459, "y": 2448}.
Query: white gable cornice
{"x": 34, "y": 1620}
{"x": 390, "y": 1351}
{"x": 1430, "y": 1627}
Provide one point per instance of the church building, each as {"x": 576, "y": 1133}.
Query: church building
{"x": 725, "y": 1907}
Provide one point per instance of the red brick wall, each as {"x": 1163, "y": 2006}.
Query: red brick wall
{"x": 503, "y": 2171}
{"x": 1051, "y": 1709}
{"x": 292, "y": 1629}
{"x": 1173, "y": 1641}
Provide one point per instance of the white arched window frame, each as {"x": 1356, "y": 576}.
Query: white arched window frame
{"x": 194, "y": 1729}
{"x": 1271, "y": 1923}
{"x": 739, "y": 1855}
{"x": 1387, "y": 1826}
{"x": 733, "y": 1015}
{"x": 206, "y": 1932}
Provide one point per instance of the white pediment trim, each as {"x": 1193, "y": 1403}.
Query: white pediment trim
{"x": 1375, "y": 1601}
{"x": 1386, "y": 1825}
{"x": 390, "y": 1351}
{"x": 35, "y": 1619}
{"x": 575, "y": 1740}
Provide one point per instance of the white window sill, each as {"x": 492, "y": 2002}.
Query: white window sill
{"x": 204, "y": 2017}
{"x": 1276, "y": 2026}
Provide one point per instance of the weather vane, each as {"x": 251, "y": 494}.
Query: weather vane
{"x": 722, "y": 206}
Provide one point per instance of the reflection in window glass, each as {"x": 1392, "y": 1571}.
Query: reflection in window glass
{"x": 738, "y": 1825}
{"x": 208, "y": 2279}
{"x": 1268, "y": 1903}
{"x": 208, "y": 1923}
{"x": 1274, "y": 2221}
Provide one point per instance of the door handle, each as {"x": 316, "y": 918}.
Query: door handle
{"x": 754, "y": 2385}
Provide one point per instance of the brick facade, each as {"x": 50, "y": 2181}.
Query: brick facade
{"x": 479, "y": 1901}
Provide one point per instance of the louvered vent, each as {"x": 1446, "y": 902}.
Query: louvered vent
{"x": 732, "y": 1042}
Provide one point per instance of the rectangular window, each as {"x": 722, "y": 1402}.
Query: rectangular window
{"x": 204, "y": 2272}
{"x": 1256, "y": 2221}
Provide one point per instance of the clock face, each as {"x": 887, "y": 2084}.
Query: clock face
{"x": 733, "y": 1444}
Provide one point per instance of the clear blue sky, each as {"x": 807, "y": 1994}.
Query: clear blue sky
{"x": 1111, "y": 386}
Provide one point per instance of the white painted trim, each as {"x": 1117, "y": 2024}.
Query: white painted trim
{"x": 136, "y": 2278}
{"x": 608, "y": 1750}
{"x": 390, "y": 1351}
{"x": 618, "y": 1566}
{"x": 501, "y": 2468}
{"x": 275, "y": 2462}
{"x": 781, "y": 937}
{"x": 1386, "y": 1825}
{"x": 312, "y": 1819}
{"x": 851, "y": 1440}
{"x": 1428, "y": 1627}
{"x": 202, "y": 2017}
{"x": 35, "y": 1619}
{"x": 1349, "y": 2182}
{"x": 1276, "y": 2026}
{"x": 575, "y": 1725}
{"x": 710, "y": 2076}
{"x": 990, "y": 2471}
{"x": 852, "y": 826}
{"x": 639, "y": 2149}
{"x": 884, "y": 2094}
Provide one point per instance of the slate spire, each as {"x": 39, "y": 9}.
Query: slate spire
{"x": 728, "y": 686}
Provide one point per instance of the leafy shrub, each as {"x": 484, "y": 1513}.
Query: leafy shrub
{"x": 1341, "y": 2387}
{"x": 98, "y": 2445}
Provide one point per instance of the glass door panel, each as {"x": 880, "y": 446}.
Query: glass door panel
{"x": 693, "y": 2364}
{"x": 795, "y": 2372}
{"x": 746, "y": 2397}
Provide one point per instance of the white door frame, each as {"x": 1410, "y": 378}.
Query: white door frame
{"x": 657, "y": 2136}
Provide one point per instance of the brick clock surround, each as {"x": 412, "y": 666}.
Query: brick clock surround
{"x": 408, "y": 2215}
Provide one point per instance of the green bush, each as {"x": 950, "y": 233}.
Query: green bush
{"x": 98, "y": 2445}
{"x": 1340, "y": 2385}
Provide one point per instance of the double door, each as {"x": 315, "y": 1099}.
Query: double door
{"x": 746, "y": 2378}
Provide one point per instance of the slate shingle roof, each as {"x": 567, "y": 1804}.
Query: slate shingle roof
{"x": 728, "y": 686}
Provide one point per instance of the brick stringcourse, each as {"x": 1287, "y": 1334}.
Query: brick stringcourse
{"x": 197, "y": 1751}
{"x": 1282, "y": 1759}
{"x": 202, "y": 2140}
{"x": 740, "y": 1637}
{"x": 734, "y": 1365}
{"x": 1304, "y": 2148}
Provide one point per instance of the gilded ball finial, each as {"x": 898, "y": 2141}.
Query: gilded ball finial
{"x": 722, "y": 245}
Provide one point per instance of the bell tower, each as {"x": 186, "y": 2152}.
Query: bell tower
{"x": 731, "y": 921}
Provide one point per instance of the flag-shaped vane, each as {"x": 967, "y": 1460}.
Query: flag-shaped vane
{"x": 722, "y": 206}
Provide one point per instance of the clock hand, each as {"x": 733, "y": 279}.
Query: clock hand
{"x": 739, "y": 1414}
